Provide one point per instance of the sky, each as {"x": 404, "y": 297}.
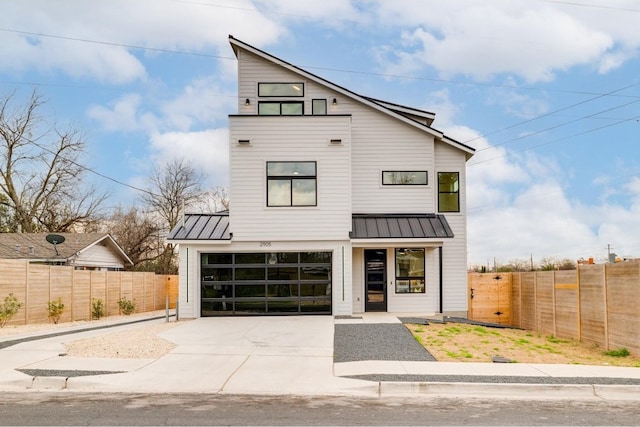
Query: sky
{"x": 547, "y": 92}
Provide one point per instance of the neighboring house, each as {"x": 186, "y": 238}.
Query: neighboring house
{"x": 339, "y": 204}
{"x": 83, "y": 251}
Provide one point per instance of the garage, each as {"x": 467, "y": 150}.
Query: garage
{"x": 265, "y": 283}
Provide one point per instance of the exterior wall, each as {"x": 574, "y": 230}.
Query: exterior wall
{"x": 286, "y": 138}
{"x": 454, "y": 255}
{"x": 341, "y": 292}
{"x": 99, "y": 256}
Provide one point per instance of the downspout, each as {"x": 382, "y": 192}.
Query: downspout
{"x": 440, "y": 279}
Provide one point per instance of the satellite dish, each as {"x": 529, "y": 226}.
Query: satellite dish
{"x": 55, "y": 239}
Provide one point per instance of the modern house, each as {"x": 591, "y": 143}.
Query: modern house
{"x": 83, "y": 251}
{"x": 339, "y": 204}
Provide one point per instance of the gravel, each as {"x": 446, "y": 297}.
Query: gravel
{"x": 377, "y": 341}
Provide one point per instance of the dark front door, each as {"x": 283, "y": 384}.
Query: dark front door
{"x": 375, "y": 273}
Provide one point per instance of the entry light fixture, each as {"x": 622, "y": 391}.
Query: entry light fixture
{"x": 334, "y": 102}
{"x": 247, "y": 102}
{"x": 336, "y": 141}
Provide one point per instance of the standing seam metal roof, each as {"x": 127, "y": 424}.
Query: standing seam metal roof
{"x": 202, "y": 227}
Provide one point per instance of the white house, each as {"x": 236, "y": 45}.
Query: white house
{"x": 339, "y": 204}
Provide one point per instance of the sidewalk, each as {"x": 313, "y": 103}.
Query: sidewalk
{"x": 290, "y": 356}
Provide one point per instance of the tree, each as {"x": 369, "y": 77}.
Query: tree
{"x": 40, "y": 173}
{"x": 138, "y": 236}
{"x": 174, "y": 186}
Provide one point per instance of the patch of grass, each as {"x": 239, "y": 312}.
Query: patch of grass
{"x": 621, "y": 352}
{"x": 418, "y": 339}
{"x": 555, "y": 340}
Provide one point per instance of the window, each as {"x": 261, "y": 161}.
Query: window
{"x": 319, "y": 107}
{"x": 284, "y": 108}
{"x": 404, "y": 178}
{"x": 291, "y": 183}
{"x": 448, "y": 192}
{"x": 281, "y": 89}
{"x": 410, "y": 270}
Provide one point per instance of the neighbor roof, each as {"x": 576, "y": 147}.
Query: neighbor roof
{"x": 399, "y": 226}
{"x": 35, "y": 247}
{"x": 391, "y": 109}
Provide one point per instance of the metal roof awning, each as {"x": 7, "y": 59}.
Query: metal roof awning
{"x": 400, "y": 226}
{"x": 202, "y": 227}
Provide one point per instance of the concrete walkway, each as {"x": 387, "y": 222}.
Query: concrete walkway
{"x": 291, "y": 356}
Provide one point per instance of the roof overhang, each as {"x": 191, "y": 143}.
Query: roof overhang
{"x": 210, "y": 228}
{"x": 399, "y": 227}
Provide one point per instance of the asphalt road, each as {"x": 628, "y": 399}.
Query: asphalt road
{"x": 201, "y": 409}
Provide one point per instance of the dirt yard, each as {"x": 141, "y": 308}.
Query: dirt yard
{"x": 458, "y": 342}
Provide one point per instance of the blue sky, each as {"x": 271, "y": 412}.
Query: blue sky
{"x": 548, "y": 92}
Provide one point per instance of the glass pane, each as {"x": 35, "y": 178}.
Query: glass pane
{"x": 304, "y": 192}
{"x": 319, "y": 107}
{"x": 280, "y": 89}
{"x": 315, "y": 289}
{"x": 277, "y": 306}
{"x": 417, "y": 286}
{"x": 409, "y": 262}
{"x": 315, "y": 273}
{"x": 448, "y": 182}
{"x": 250, "y": 273}
{"x": 316, "y": 306}
{"x": 279, "y": 192}
{"x": 250, "y": 291}
{"x": 211, "y": 308}
{"x": 283, "y": 258}
{"x": 404, "y": 178}
{"x": 217, "y": 291}
{"x": 291, "y": 169}
{"x": 217, "y": 258}
{"x": 282, "y": 290}
{"x": 251, "y": 258}
{"x": 402, "y": 286}
{"x": 291, "y": 108}
{"x": 269, "y": 108}
{"x": 315, "y": 257}
{"x": 283, "y": 273}
{"x": 217, "y": 274}
{"x": 250, "y": 307}
{"x": 448, "y": 202}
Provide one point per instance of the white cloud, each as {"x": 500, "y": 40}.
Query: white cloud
{"x": 124, "y": 115}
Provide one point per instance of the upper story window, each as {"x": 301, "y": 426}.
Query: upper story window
{"x": 319, "y": 107}
{"x": 291, "y": 184}
{"x": 280, "y": 108}
{"x": 281, "y": 89}
{"x": 404, "y": 177}
{"x": 448, "y": 192}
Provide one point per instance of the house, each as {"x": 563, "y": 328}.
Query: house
{"x": 83, "y": 251}
{"x": 339, "y": 204}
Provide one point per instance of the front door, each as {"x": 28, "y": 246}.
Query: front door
{"x": 375, "y": 273}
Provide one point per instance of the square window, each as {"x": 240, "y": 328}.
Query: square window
{"x": 291, "y": 184}
{"x": 319, "y": 107}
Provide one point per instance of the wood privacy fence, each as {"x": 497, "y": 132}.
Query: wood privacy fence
{"x": 598, "y": 304}
{"x": 36, "y": 284}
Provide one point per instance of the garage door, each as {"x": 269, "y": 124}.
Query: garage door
{"x": 273, "y": 283}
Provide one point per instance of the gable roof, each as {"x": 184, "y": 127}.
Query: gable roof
{"x": 397, "y": 111}
{"x": 35, "y": 247}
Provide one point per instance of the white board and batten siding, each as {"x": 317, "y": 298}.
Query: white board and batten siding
{"x": 298, "y": 138}
{"x": 99, "y": 256}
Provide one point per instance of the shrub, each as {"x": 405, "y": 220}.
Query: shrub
{"x": 621, "y": 352}
{"x": 9, "y": 308}
{"x": 56, "y": 308}
{"x": 126, "y": 306}
{"x": 97, "y": 308}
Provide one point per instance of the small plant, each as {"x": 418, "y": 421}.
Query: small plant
{"x": 56, "y": 308}
{"x": 9, "y": 308}
{"x": 97, "y": 308}
{"x": 621, "y": 352}
{"x": 126, "y": 306}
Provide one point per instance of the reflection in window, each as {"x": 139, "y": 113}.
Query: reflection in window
{"x": 319, "y": 107}
{"x": 410, "y": 270}
{"x": 404, "y": 177}
{"x": 291, "y": 183}
{"x": 280, "y": 108}
{"x": 281, "y": 89}
{"x": 448, "y": 192}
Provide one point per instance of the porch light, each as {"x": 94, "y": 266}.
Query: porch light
{"x": 334, "y": 102}
{"x": 247, "y": 102}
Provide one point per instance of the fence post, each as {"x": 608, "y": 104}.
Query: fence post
{"x": 166, "y": 299}
{"x": 579, "y": 304}
{"x": 606, "y": 308}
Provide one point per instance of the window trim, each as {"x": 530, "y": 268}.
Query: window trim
{"x": 291, "y": 178}
{"x": 426, "y": 177}
{"x": 281, "y": 83}
{"x": 410, "y": 278}
{"x": 457, "y": 193}
{"x": 280, "y": 103}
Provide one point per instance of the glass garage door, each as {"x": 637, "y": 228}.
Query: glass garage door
{"x": 273, "y": 283}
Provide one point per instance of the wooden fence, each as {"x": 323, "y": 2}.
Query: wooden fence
{"x": 36, "y": 284}
{"x": 598, "y": 303}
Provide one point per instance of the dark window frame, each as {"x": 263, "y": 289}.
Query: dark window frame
{"x": 301, "y": 95}
{"x": 410, "y": 279}
{"x": 313, "y": 109}
{"x": 426, "y": 177}
{"x": 442, "y": 193}
{"x": 281, "y": 103}
{"x": 291, "y": 179}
